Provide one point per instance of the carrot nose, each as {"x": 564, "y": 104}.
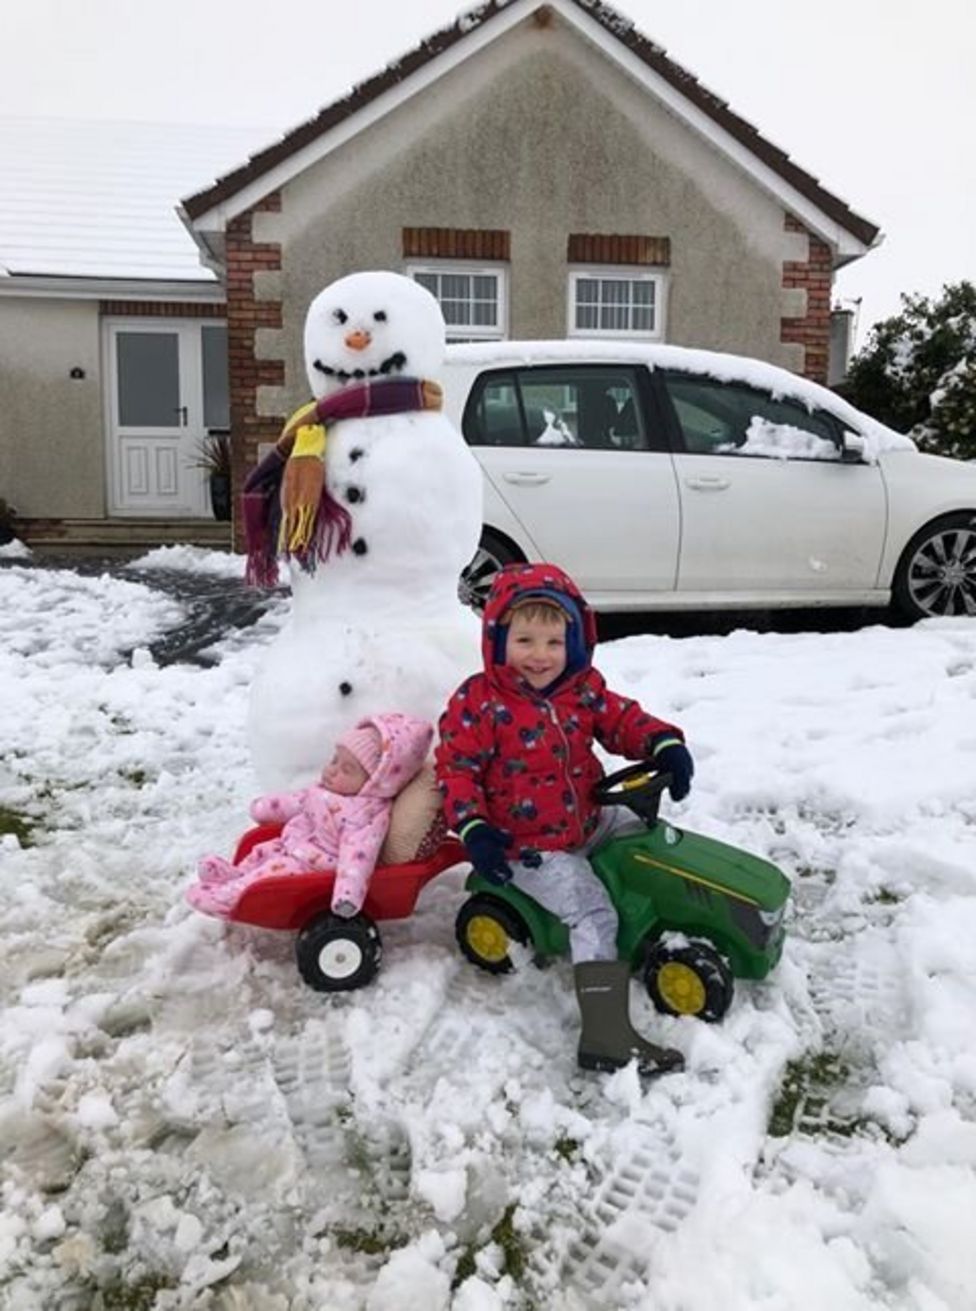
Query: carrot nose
{"x": 358, "y": 340}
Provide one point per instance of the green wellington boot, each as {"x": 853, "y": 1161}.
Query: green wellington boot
{"x": 607, "y": 1039}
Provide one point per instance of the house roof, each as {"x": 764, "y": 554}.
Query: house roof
{"x": 625, "y": 40}
{"x": 97, "y": 199}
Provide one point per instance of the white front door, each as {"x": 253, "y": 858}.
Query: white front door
{"x": 166, "y": 383}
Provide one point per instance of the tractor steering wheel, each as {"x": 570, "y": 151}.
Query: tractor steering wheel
{"x": 638, "y": 786}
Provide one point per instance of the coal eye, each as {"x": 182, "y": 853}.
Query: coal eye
{"x": 380, "y": 316}
{"x": 340, "y": 316}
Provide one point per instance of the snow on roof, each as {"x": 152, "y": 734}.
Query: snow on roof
{"x": 726, "y": 368}
{"x": 98, "y": 199}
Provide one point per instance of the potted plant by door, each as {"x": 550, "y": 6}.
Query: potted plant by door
{"x": 213, "y": 456}
{"x": 6, "y": 523}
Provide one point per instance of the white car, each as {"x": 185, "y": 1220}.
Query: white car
{"x": 662, "y": 479}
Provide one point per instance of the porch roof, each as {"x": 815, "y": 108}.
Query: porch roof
{"x": 97, "y": 199}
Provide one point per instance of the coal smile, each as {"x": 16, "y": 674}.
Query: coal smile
{"x": 392, "y": 364}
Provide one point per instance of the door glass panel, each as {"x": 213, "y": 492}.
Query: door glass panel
{"x": 592, "y": 408}
{"x": 719, "y": 418}
{"x": 148, "y": 379}
{"x": 216, "y": 390}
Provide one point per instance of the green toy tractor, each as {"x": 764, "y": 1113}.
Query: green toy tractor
{"x": 694, "y": 913}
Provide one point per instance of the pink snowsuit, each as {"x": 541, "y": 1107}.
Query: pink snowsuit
{"x": 324, "y": 830}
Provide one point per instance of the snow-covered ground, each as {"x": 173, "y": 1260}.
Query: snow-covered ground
{"x": 184, "y": 1125}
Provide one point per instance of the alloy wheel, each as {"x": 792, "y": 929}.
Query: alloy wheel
{"x": 941, "y": 575}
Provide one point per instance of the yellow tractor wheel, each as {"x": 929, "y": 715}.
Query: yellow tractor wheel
{"x": 485, "y": 929}
{"x": 691, "y": 979}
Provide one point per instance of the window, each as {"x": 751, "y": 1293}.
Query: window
{"x": 616, "y": 302}
{"x": 472, "y": 298}
{"x": 732, "y": 418}
{"x": 591, "y": 408}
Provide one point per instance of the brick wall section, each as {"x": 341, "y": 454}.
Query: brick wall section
{"x": 456, "y": 243}
{"x": 616, "y": 248}
{"x": 162, "y": 309}
{"x": 814, "y": 275}
{"x": 245, "y": 314}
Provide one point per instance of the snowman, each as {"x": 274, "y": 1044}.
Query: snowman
{"x": 375, "y": 623}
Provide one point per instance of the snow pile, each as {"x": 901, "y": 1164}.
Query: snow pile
{"x": 781, "y": 441}
{"x": 184, "y": 1125}
{"x": 191, "y": 559}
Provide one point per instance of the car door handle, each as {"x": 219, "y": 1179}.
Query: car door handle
{"x": 527, "y": 479}
{"x": 706, "y": 484}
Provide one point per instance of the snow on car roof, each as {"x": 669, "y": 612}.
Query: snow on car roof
{"x": 724, "y": 368}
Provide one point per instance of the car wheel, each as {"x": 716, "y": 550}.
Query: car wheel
{"x": 936, "y": 574}
{"x": 337, "y": 955}
{"x": 485, "y": 929}
{"x": 689, "y": 980}
{"x": 492, "y": 554}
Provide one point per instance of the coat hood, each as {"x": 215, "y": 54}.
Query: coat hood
{"x": 404, "y": 744}
{"x": 546, "y": 582}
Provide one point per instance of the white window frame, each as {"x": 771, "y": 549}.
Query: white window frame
{"x": 471, "y": 331}
{"x": 631, "y": 273}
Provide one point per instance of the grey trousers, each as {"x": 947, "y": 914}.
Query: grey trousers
{"x": 565, "y": 885}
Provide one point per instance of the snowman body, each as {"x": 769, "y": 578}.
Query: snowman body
{"x": 378, "y": 627}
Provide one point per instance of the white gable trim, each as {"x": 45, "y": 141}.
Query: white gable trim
{"x": 845, "y": 244}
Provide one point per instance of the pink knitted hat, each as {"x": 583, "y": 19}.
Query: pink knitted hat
{"x": 365, "y": 744}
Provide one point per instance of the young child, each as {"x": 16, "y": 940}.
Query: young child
{"x": 338, "y": 823}
{"x": 516, "y": 768}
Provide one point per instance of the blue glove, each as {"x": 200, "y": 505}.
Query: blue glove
{"x": 673, "y": 757}
{"x": 485, "y": 846}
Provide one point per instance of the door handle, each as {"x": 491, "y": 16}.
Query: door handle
{"x": 181, "y": 411}
{"x": 707, "y": 484}
{"x": 527, "y": 479}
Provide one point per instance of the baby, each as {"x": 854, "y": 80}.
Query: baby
{"x": 338, "y": 823}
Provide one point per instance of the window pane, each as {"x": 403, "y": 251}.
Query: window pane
{"x": 587, "y": 316}
{"x": 738, "y": 420}
{"x": 149, "y": 379}
{"x": 467, "y": 299}
{"x": 643, "y": 318}
{"x": 595, "y": 408}
{"x": 216, "y": 391}
{"x": 643, "y": 293}
{"x": 492, "y": 418}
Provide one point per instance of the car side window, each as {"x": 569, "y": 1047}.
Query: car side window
{"x": 730, "y": 418}
{"x": 592, "y": 408}
{"x": 492, "y": 416}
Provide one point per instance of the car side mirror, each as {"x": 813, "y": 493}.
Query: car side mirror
{"x": 852, "y": 449}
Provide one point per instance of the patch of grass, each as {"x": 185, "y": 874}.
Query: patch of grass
{"x": 805, "y": 1091}
{"x": 885, "y": 897}
{"x": 373, "y": 1242}
{"x": 139, "y": 1295}
{"x": 514, "y": 1251}
{"x": 20, "y": 825}
{"x": 512, "y": 1244}
{"x": 137, "y": 777}
{"x": 566, "y": 1148}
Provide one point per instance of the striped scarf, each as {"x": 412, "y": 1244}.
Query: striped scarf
{"x": 286, "y": 506}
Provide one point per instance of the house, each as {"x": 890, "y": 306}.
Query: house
{"x": 546, "y": 171}
{"x": 113, "y": 336}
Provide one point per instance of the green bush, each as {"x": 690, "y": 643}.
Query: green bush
{"x": 917, "y": 372}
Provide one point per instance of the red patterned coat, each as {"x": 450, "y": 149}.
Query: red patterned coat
{"x": 524, "y": 760}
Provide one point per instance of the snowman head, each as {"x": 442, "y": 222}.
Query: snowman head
{"x": 372, "y": 325}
